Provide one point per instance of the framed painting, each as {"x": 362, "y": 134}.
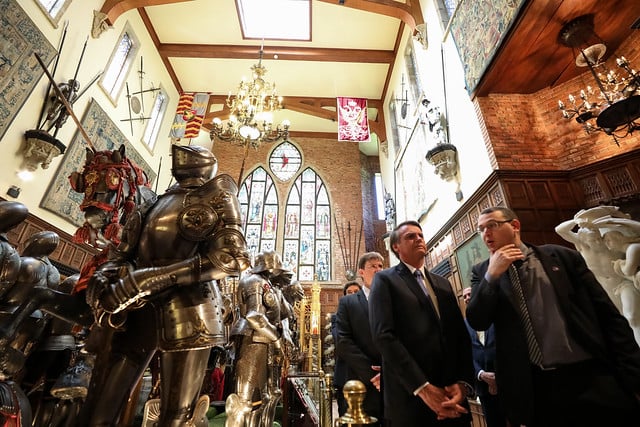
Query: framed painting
{"x": 469, "y": 254}
{"x": 20, "y": 71}
{"x": 105, "y": 135}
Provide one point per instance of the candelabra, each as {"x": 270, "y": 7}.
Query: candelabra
{"x": 614, "y": 108}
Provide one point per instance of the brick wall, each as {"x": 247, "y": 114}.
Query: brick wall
{"x": 528, "y": 132}
{"x": 337, "y": 163}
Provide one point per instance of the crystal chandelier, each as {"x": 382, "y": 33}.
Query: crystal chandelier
{"x": 251, "y": 113}
{"x": 612, "y": 108}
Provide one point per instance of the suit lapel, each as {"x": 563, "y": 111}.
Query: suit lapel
{"x": 364, "y": 304}
{"x": 416, "y": 288}
{"x": 412, "y": 283}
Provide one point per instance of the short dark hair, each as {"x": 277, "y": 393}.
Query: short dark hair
{"x": 348, "y": 285}
{"x": 506, "y": 212}
{"x": 366, "y": 257}
{"x": 394, "y": 237}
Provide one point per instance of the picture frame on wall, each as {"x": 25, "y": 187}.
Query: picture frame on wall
{"x": 469, "y": 254}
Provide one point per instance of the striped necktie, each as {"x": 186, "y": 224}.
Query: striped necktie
{"x": 428, "y": 291}
{"x": 535, "y": 355}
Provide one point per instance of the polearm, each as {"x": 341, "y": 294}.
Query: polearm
{"x": 75, "y": 76}
{"x": 158, "y": 175}
{"x": 141, "y": 75}
{"x": 55, "y": 67}
{"x": 65, "y": 102}
{"x": 88, "y": 85}
{"x": 129, "y": 105}
{"x": 359, "y": 239}
{"x": 341, "y": 241}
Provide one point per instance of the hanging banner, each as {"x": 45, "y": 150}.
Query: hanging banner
{"x": 353, "y": 123}
{"x": 189, "y": 115}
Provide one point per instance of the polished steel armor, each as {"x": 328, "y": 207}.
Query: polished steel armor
{"x": 169, "y": 301}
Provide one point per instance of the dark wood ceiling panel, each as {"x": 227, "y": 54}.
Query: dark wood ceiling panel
{"x": 531, "y": 57}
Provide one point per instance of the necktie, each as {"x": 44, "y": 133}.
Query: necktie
{"x": 427, "y": 291}
{"x": 535, "y": 355}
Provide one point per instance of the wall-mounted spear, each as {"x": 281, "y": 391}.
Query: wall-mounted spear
{"x": 55, "y": 67}
{"x": 349, "y": 240}
{"x": 64, "y": 101}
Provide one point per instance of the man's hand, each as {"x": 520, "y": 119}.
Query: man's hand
{"x": 501, "y": 259}
{"x": 375, "y": 380}
{"x": 490, "y": 379}
{"x": 445, "y": 402}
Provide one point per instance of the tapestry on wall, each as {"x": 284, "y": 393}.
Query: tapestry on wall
{"x": 478, "y": 29}
{"x": 105, "y": 135}
{"x": 20, "y": 71}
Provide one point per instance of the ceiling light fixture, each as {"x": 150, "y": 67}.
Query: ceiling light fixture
{"x": 615, "y": 110}
{"x": 250, "y": 122}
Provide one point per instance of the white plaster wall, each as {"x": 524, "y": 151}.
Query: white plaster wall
{"x": 464, "y": 128}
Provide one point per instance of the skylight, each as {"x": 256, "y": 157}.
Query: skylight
{"x": 275, "y": 19}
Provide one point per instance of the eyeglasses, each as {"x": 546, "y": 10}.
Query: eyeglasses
{"x": 491, "y": 225}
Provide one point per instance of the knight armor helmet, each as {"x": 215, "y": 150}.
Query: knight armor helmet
{"x": 193, "y": 161}
{"x": 40, "y": 244}
{"x": 11, "y": 214}
{"x": 268, "y": 261}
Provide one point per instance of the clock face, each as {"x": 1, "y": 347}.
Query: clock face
{"x": 285, "y": 161}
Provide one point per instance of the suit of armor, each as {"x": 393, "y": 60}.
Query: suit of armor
{"x": 169, "y": 302}
{"x": 260, "y": 346}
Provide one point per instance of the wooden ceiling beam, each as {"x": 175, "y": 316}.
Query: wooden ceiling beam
{"x": 180, "y": 50}
{"x": 114, "y": 8}
{"x": 306, "y": 105}
{"x": 410, "y": 12}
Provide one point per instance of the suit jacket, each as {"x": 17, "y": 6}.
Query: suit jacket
{"x": 592, "y": 319}
{"x": 340, "y": 367}
{"x": 484, "y": 356}
{"x": 416, "y": 345}
{"x": 356, "y": 347}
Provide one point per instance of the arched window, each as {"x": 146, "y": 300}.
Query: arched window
{"x": 307, "y": 229}
{"x": 259, "y": 206}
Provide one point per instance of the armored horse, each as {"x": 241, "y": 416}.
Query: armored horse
{"x": 114, "y": 188}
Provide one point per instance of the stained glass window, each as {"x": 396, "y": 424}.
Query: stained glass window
{"x": 307, "y": 229}
{"x": 259, "y": 209}
{"x": 285, "y": 161}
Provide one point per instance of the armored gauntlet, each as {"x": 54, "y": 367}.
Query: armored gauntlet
{"x": 137, "y": 285}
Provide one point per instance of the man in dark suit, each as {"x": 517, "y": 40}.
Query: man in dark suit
{"x": 565, "y": 356}
{"x": 418, "y": 326}
{"x": 340, "y": 366}
{"x": 354, "y": 344}
{"x": 483, "y": 347}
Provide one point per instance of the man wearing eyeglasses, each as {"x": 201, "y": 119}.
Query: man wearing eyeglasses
{"x": 565, "y": 356}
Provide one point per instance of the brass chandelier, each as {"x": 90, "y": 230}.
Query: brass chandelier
{"x": 250, "y": 121}
{"x": 612, "y": 108}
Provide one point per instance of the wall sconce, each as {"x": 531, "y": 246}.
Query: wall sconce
{"x": 13, "y": 191}
{"x": 420, "y": 35}
{"x": 40, "y": 148}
